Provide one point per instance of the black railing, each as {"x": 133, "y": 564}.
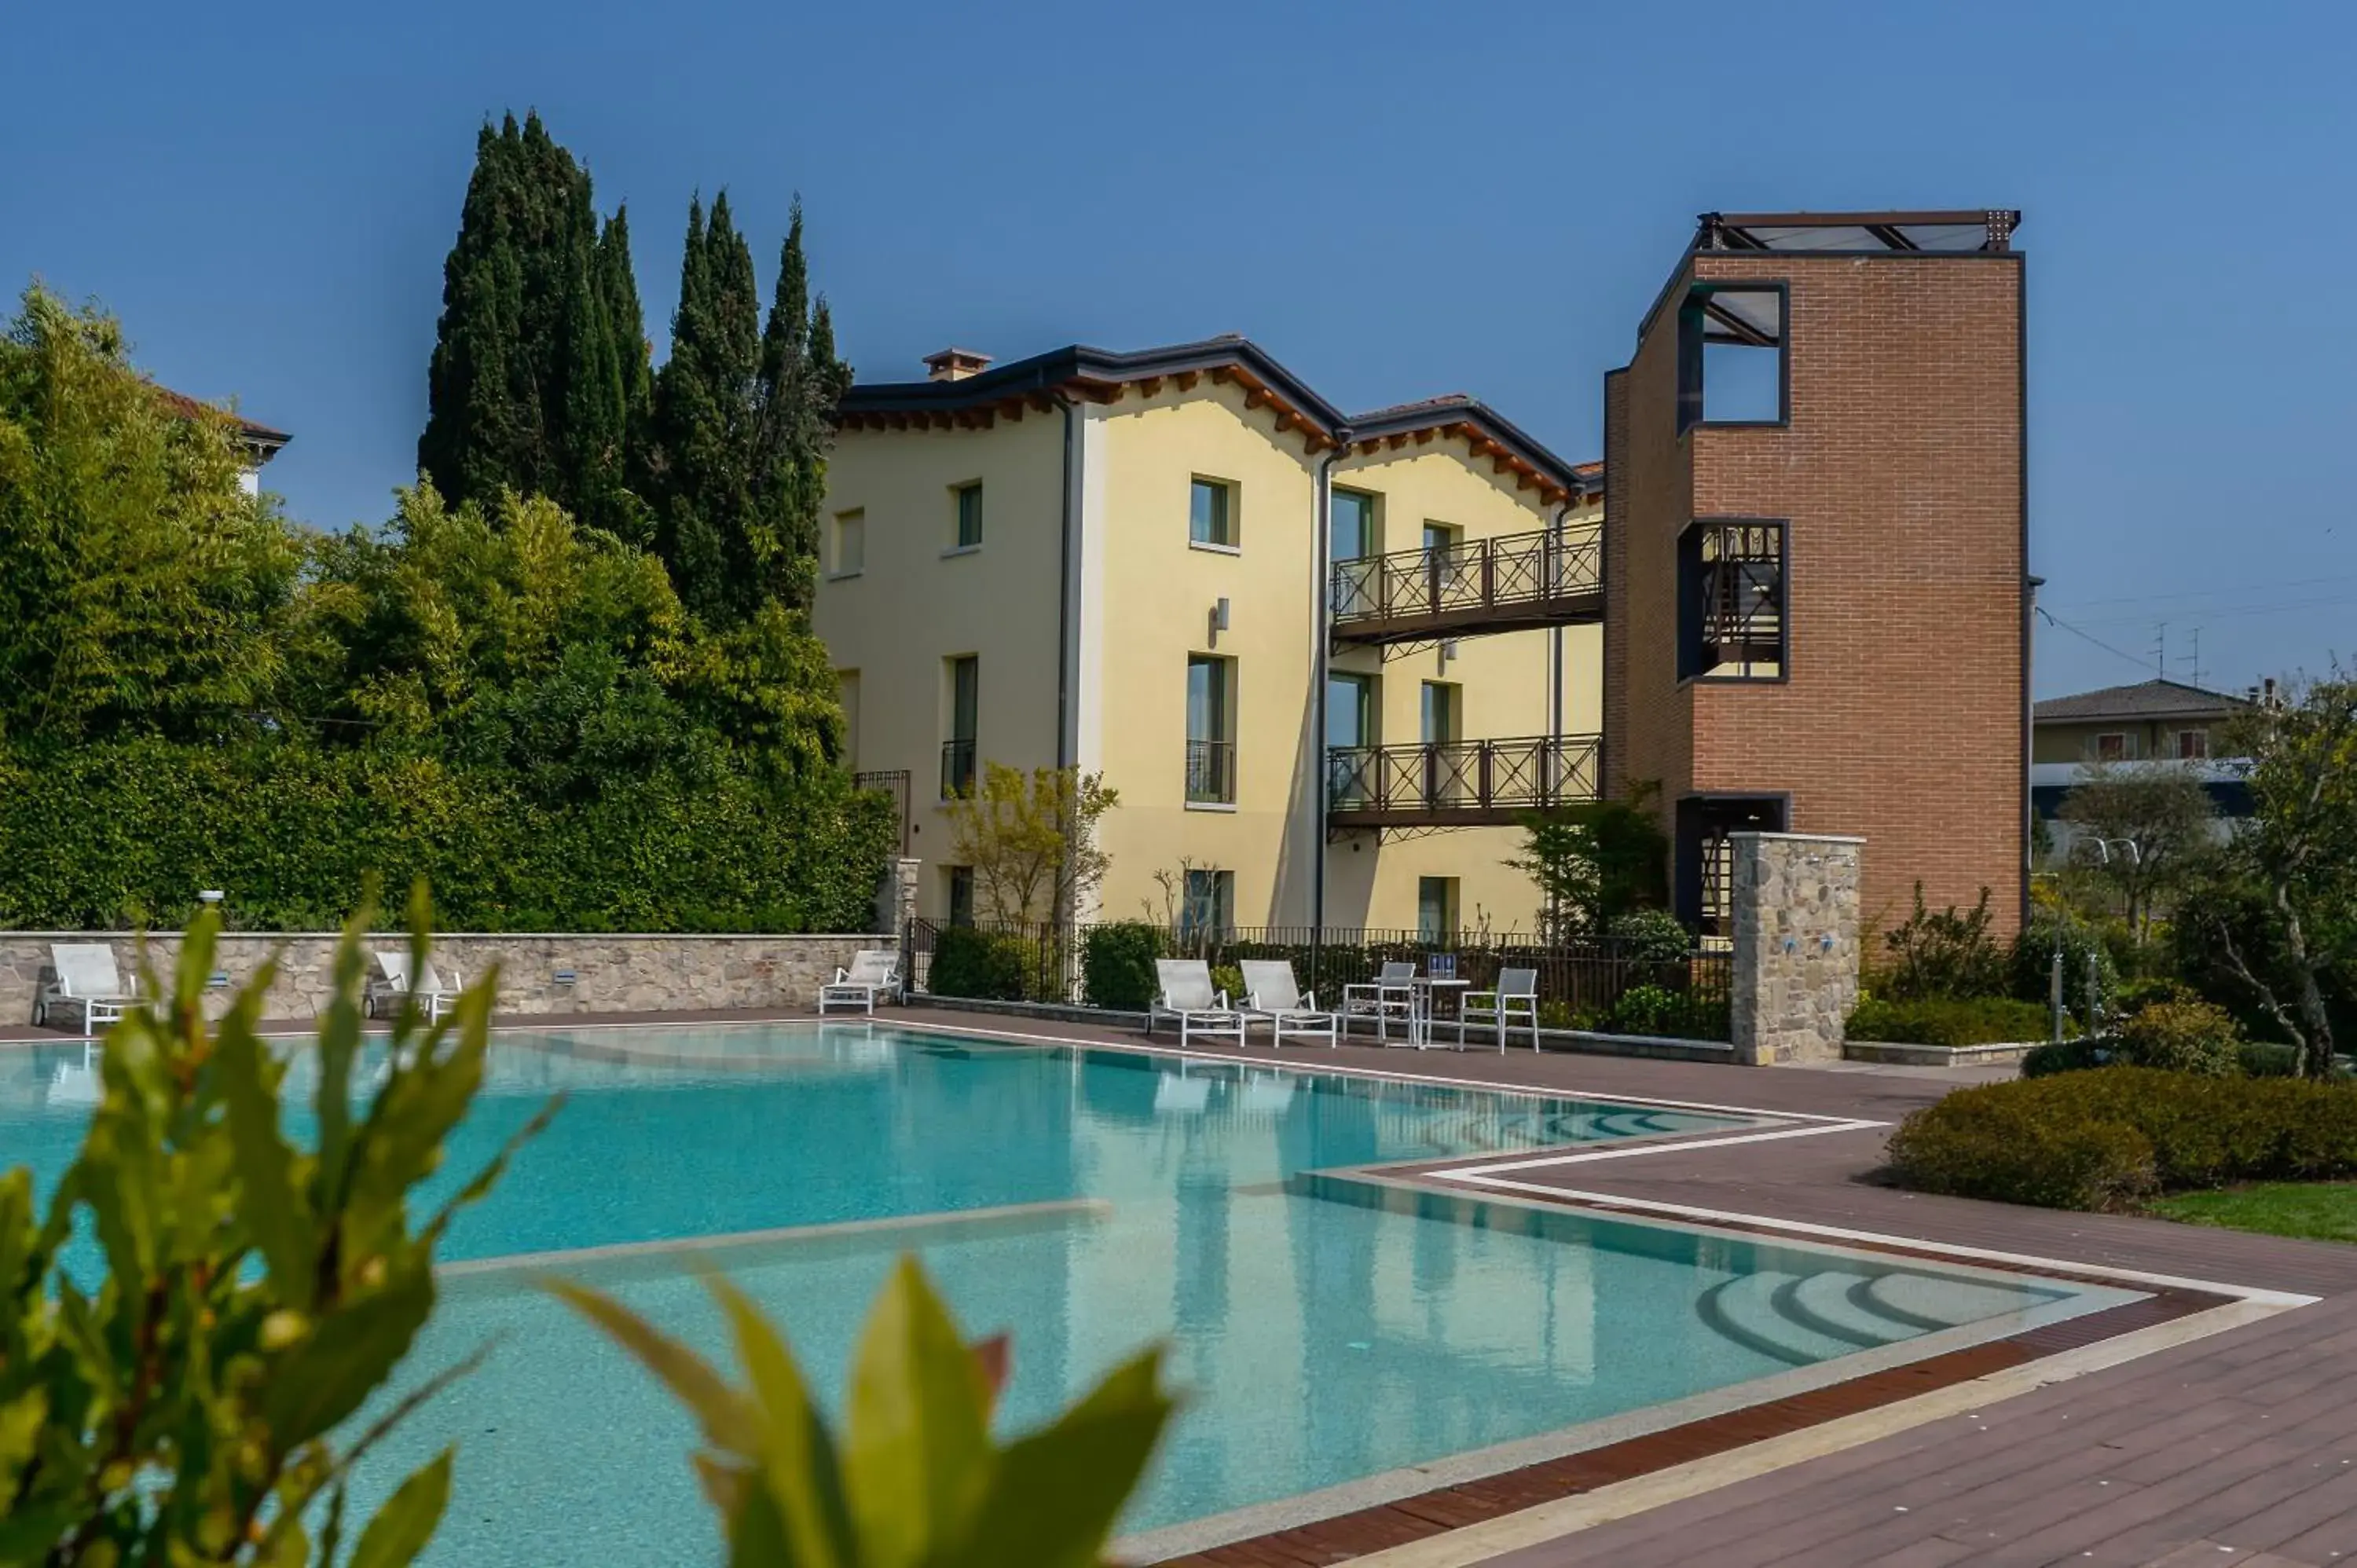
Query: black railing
{"x": 1211, "y": 772}
{"x": 1550, "y": 573}
{"x": 1582, "y": 984}
{"x": 1500, "y": 777}
{"x": 957, "y": 769}
{"x": 894, "y": 784}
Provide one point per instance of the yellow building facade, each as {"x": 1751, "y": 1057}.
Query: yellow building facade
{"x": 1127, "y": 563}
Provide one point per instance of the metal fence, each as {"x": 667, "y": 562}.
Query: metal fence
{"x": 1578, "y": 981}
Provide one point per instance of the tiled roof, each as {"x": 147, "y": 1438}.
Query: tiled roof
{"x": 187, "y": 407}
{"x": 2144, "y": 700}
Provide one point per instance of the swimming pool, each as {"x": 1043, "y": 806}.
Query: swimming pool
{"x": 1329, "y": 1329}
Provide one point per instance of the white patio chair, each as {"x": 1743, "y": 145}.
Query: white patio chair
{"x": 874, "y": 971}
{"x": 1391, "y": 994}
{"x": 391, "y": 983}
{"x": 82, "y": 977}
{"x": 1272, "y": 992}
{"x": 1515, "y": 1001}
{"x": 1188, "y": 996}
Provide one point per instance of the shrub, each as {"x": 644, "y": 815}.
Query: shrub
{"x": 2092, "y": 1140}
{"x": 262, "y": 1279}
{"x": 1657, "y": 1010}
{"x": 1947, "y": 953}
{"x": 2265, "y": 1059}
{"x": 1948, "y": 1021}
{"x": 2182, "y": 1036}
{"x": 2030, "y": 962}
{"x": 1228, "y": 978}
{"x": 2066, "y": 1056}
{"x": 987, "y": 965}
{"x": 1117, "y": 965}
{"x": 1650, "y": 935}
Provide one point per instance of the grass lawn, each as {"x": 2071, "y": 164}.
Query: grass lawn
{"x": 2324, "y": 1211}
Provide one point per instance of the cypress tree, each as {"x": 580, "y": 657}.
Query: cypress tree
{"x": 702, "y": 455}
{"x": 801, "y": 382}
{"x": 540, "y": 350}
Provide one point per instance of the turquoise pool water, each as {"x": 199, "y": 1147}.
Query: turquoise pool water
{"x": 1324, "y": 1329}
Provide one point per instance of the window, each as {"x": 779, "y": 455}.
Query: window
{"x": 1731, "y": 365}
{"x": 1435, "y": 909}
{"x": 850, "y": 552}
{"x": 961, "y": 894}
{"x": 1211, "y": 514}
{"x": 1211, "y": 731}
{"x": 1209, "y": 908}
{"x": 2112, "y": 748}
{"x": 964, "y": 704}
{"x": 1731, "y": 601}
{"x": 969, "y": 515}
{"x": 1444, "y": 762}
{"x": 2192, "y": 744}
{"x": 1444, "y": 567}
{"x": 1355, "y": 549}
{"x": 1350, "y": 762}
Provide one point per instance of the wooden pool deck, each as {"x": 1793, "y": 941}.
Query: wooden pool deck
{"x": 2239, "y": 1447}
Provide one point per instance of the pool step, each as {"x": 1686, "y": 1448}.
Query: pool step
{"x": 1806, "y": 1319}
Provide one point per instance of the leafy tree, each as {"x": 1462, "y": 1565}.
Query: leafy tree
{"x": 141, "y": 589}
{"x": 1595, "y": 862}
{"x": 1031, "y": 840}
{"x": 2294, "y": 863}
{"x": 539, "y": 373}
{"x": 2156, "y": 822}
{"x": 914, "y": 1475}
{"x": 193, "y": 1406}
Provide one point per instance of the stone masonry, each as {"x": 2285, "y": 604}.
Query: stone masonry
{"x": 1795, "y": 901}
{"x": 608, "y": 973}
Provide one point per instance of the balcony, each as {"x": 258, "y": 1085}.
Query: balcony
{"x": 1458, "y": 784}
{"x": 1513, "y": 581}
{"x": 957, "y": 768}
{"x": 1211, "y": 773}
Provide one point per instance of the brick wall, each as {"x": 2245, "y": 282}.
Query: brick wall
{"x": 1901, "y": 476}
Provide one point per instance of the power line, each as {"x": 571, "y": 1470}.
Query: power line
{"x": 2052, "y": 620}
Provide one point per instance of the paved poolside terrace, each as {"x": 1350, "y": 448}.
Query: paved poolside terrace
{"x": 2234, "y": 1444}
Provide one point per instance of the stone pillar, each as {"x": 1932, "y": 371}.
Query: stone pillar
{"x": 1796, "y": 907}
{"x": 895, "y": 895}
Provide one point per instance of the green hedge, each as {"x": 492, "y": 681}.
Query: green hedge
{"x": 2102, "y": 1140}
{"x": 985, "y": 965}
{"x": 1117, "y": 965}
{"x": 1949, "y": 1021}
{"x": 111, "y": 836}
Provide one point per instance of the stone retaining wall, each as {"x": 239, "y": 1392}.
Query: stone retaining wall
{"x": 608, "y": 973}
{"x": 1795, "y": 905}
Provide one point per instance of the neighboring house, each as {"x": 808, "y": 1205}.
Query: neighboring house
{"x": 2152, "y": 722}
{"x": 261, "y": 442}
{"x": 1300, "y": 643}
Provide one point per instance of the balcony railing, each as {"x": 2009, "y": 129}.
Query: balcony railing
{"x": 1457, "y": 783}
{"x": 1211, "y": 772}
{"x": 957, "y": 768}
{"x": 1511, "y": 582}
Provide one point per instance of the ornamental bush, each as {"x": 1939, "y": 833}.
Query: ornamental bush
{"x": 2182, "y": 1036}
{"x": 2098, "y": 1140}
{"x": 1117, "y": 965}
{"x": 1948, "y": 1021}
{"x": 1677, "y": 1014}
{"x": 989, "y": 966}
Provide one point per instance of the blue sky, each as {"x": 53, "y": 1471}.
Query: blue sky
{"x": 1397, "y": 200}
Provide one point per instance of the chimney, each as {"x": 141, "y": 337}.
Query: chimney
{"x": 954, "y": 365}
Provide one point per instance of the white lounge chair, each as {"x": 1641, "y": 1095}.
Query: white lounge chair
{"x": 1272, "y": 992}
{"x": 434, "y": 993}
{"x": 1391, "y": 994}
{"x": 1515, "y": 1001}
{"x": 83, "y": 979}
{"x": 874, "y": 971}
{"x": 1188, "y": 996}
